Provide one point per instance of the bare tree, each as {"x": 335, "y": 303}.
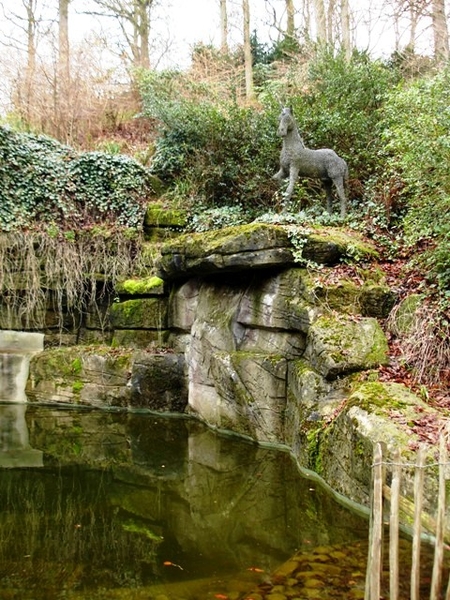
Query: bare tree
{"x": 223, "y": 26}
{"x": 345, "y": 29}
{"x": 25, "y": 18}
{"x": 134, "y": 20}
{"x": 321, "y": 23}
{"x": 248, "y": 59}
{"x": 440, "y": 30}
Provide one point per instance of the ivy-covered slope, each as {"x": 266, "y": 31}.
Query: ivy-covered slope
{"x": 42, "y": 180}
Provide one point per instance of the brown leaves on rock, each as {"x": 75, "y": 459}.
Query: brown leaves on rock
{"x": 426, "y": 427}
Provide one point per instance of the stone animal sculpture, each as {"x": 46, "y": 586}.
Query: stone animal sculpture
{"x": 297, "y": 160}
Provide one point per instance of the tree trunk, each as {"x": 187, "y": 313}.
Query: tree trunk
{"x": 248, "y": 59}
{"x": 62, "y": 98}
{"x": 345, "y": 28}
{"x": 28, "y": 95}
{"x": 143, "y": 27}
{"x": 321, "y": 26}
{"x": 290, "y": 24}
{"x": 440, "y": 30}
{"x": 223, "y": 27}
{"x": 63, "y": 39}
{"x": 330, "y": 19}
{"x": 414, "y": 19}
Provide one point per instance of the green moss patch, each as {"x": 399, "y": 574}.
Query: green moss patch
{"x": 229, "y": 240}
{"x": 160, "y": 216}
{"x": 141, "y": 286}
{"x": 343, "y": 345}
{"x": 144, "y": 313}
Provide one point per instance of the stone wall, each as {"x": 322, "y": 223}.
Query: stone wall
{"x": 233, "y": 330}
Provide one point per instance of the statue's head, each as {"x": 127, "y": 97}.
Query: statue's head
{"x": 286, "y": 121}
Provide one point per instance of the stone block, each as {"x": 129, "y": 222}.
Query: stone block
{"x": 143, "y": 313}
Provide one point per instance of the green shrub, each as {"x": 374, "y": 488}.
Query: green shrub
{"x": 42, "y": 180}
{"x": 217, "y": 152}
{"x": 416, "y": 156}
{"x": 214, "y": 151}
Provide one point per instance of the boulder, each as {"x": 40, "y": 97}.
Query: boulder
{"x": 375, "y": 412}
{"x": 108, "y": 377}
{"x": 283, "y": 301}
{"x": 338, "y": 345}
{"x": 252, "y": 391}
{"x": 228, "y": 250}
{"x": 80, "y": 375}
{"x": 255, "y": 246}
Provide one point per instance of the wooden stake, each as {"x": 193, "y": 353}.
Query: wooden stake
{"x": 436, "y": 580}
{"x": 374, "y": 564}
{"x": 417, "y": 525}
{"x": 394, "y": 526}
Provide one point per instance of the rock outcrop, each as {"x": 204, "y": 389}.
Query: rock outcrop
{"x": 238, "y": 331}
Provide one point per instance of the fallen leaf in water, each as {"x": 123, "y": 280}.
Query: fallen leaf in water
{"x": 167, "y": 563}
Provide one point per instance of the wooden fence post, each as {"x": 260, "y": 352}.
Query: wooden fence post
{"x": 440, "y": 524}
{"x": 374, "y": 566}
{"x": 394, "y": 526}
{"x": 417, "y": 525}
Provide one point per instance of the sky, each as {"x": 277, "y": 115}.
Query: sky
{"x": 185, "y": 22}
{"x": 180, "y": 24}
{"x": 188, "y": 22}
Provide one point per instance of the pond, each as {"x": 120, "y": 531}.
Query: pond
{"x": 127, "y": 505}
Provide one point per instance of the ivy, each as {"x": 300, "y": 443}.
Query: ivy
{"x": 42, "y": 180}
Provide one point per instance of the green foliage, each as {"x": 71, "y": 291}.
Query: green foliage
{"x": 217, "y": 152}
{"x": 206, "y": 219}
{"x": 213, "y": 151}
{"x": 416, "y": 136}
{"x": 283, "y": 49}
{"x": 342, "y": 106}
{"x": 42, "y": 180}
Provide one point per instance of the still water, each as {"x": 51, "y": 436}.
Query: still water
{"x": 104, "y": 505}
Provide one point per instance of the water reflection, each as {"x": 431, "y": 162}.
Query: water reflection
{"x": 15, "y": 449}
{"x": 141, "y": 504}
{"x": 16, "y": 348}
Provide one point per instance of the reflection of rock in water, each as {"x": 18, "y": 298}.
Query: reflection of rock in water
{"x": 16, "y": 348}
{"x": 15, "y": 450}
{"x": 13, "y": 376}
{"x": 125, "y": 499}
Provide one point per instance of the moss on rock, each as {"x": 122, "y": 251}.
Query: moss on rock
{"x": 158, "y": 215}
{"x": 339, "y": 345}
{"x": 141, "y": 286}
{"x": 144, "y": 313}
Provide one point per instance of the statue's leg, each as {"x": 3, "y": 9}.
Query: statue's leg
{"x": 339, "y": 183}
{"x": 329, "y": 192}
{"x": 293, "y": 174}
{"x": 282, "y": 173}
